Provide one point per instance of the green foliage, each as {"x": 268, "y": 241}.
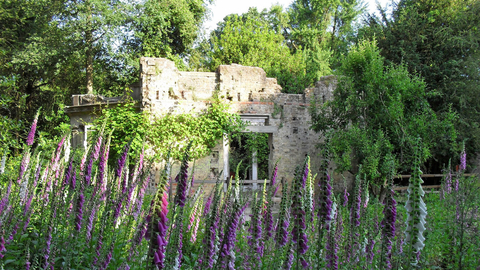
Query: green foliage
{"x": 323, "y": 28}
{"x": 168, "y": 135}
{"x": 168, "y": 28}
{"x": 378, "y": 111}
{"x": 256, "y": 39}
{"x": 246, "y": 145}
{"x": 439, "y": 41}
{"x": 50, "y": 50}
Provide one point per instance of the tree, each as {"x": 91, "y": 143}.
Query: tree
{"x": 256, "y": 39}
{"x": 168, "y": 28}
{"x": 440, "y": 41}
{"x": 323, "y": 26}
{"x": 377, "y": 113}
{"x": 50, "y": 50}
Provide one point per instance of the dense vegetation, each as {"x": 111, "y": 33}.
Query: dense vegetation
{"x": 406, "y": 101}
{"x": 74, "y": 211}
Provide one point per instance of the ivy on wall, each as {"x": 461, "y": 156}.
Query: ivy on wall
{"x": 169, "y": 133}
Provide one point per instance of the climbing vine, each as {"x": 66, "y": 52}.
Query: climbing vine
{"x": 169, "y": 133}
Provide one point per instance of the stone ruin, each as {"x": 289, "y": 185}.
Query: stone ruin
{"x": 257, "y": 99}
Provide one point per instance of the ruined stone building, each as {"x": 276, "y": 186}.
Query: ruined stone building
{"x": 257, "y": 99}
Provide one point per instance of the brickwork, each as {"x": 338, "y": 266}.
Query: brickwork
{"x": 163, "y": 89}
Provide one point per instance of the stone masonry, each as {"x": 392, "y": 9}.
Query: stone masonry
{"x": 285, "y": 117}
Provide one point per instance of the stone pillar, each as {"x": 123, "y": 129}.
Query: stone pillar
{"x": 226, "y": 165}
{"x": 254, "y": 168}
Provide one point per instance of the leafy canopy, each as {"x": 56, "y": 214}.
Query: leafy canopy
{"x": 378, "y": 111}
{"x": 440, "y": 41}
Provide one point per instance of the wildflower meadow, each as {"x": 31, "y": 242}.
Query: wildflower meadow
{"x": 70, "y": 209}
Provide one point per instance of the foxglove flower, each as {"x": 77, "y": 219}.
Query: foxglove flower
{"x": 23, "y": 166}
{"x": 68, "y": 174}
{"x": 281, "y": 236}
{"x": 231, "y": 236}
{"x": 181, "y": 195}
{"x": 96, "y": 149}
{"x": 33, "y": 128}
{"x": 388, "y": 229}
{"x": 298, "y": 210}
{"x": 46, "y": 255}
{"x": 108, "y": 258}
{"x": 416, "y": 212}
{"x": 161, "y": 230}
{"x": 274, "y": 177}
{"x": 121, "y": 162}
{"x": 207, "y": 206}
{"x": 5, "y": 199}
{"x": 140, "y": 196}
{"x": 345, "y": 197}
{"x": 193, "y": 238}
{"x": 90, "y": 222}
{"x": 79, "y": 212}
{"x": 2, "y": 163}
{"x": 463, "y": 160}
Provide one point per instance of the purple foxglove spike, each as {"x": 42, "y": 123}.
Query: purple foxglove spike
{"x": 37, "y": 174}
{"x": 275, "y": 192}
{"x": 5, "y": 199}
{"x": 33, "y": 128}
{"x": 79, "y": 212}
{"x": 27, "y": 221}
{"x": 289, "y": 262}
{"x": 98, "y": 248}
{"x": 102, "y": 165}
{"x": 305, "y": 176}
{"x": 304, "y": 263}
{"x": 463, "y": 161}
{"x": 118, "y": 208}
{"x": 108, "y": 258}
{"x": 96, "y": 150}
{"x": 140, "y": 196}
{"x": 140, "y": 162}
{"x": 59, "y": 151}
{"x": 23, "y": 166}
{"x": 448, "y": 182}
{"x": 121, "y": 161}
{"x": 345, "y": 197}
{"x": 46, "y": 255}
{"x": 68, "y": 174}
{"x": 73, "y": 183}
{"x": 274, "y": 177}
{"x": 207, "y": 206}
{"x": 28, "y": 204}
{"x": 14, "y": 232}
{"x": 88, "y": 175}
{"x": 90, "y": 223}
{"x": 232, "y": 233}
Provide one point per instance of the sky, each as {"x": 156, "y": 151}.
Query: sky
{"x": 222, "y": 8}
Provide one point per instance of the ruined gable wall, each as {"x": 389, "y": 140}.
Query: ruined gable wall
{"x": 248, "y": 91}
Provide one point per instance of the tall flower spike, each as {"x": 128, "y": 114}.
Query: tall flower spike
{"x": 23, "y": 166}
{"x": 181, "y": 195}
{"x": 4, "y": 159}
{"x": 463, "y": 159}
{"x": 33, "y": 128}
{"x": 416, "y": 212}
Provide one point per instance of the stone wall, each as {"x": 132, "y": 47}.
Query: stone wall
{"x": 163, "y": 89}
